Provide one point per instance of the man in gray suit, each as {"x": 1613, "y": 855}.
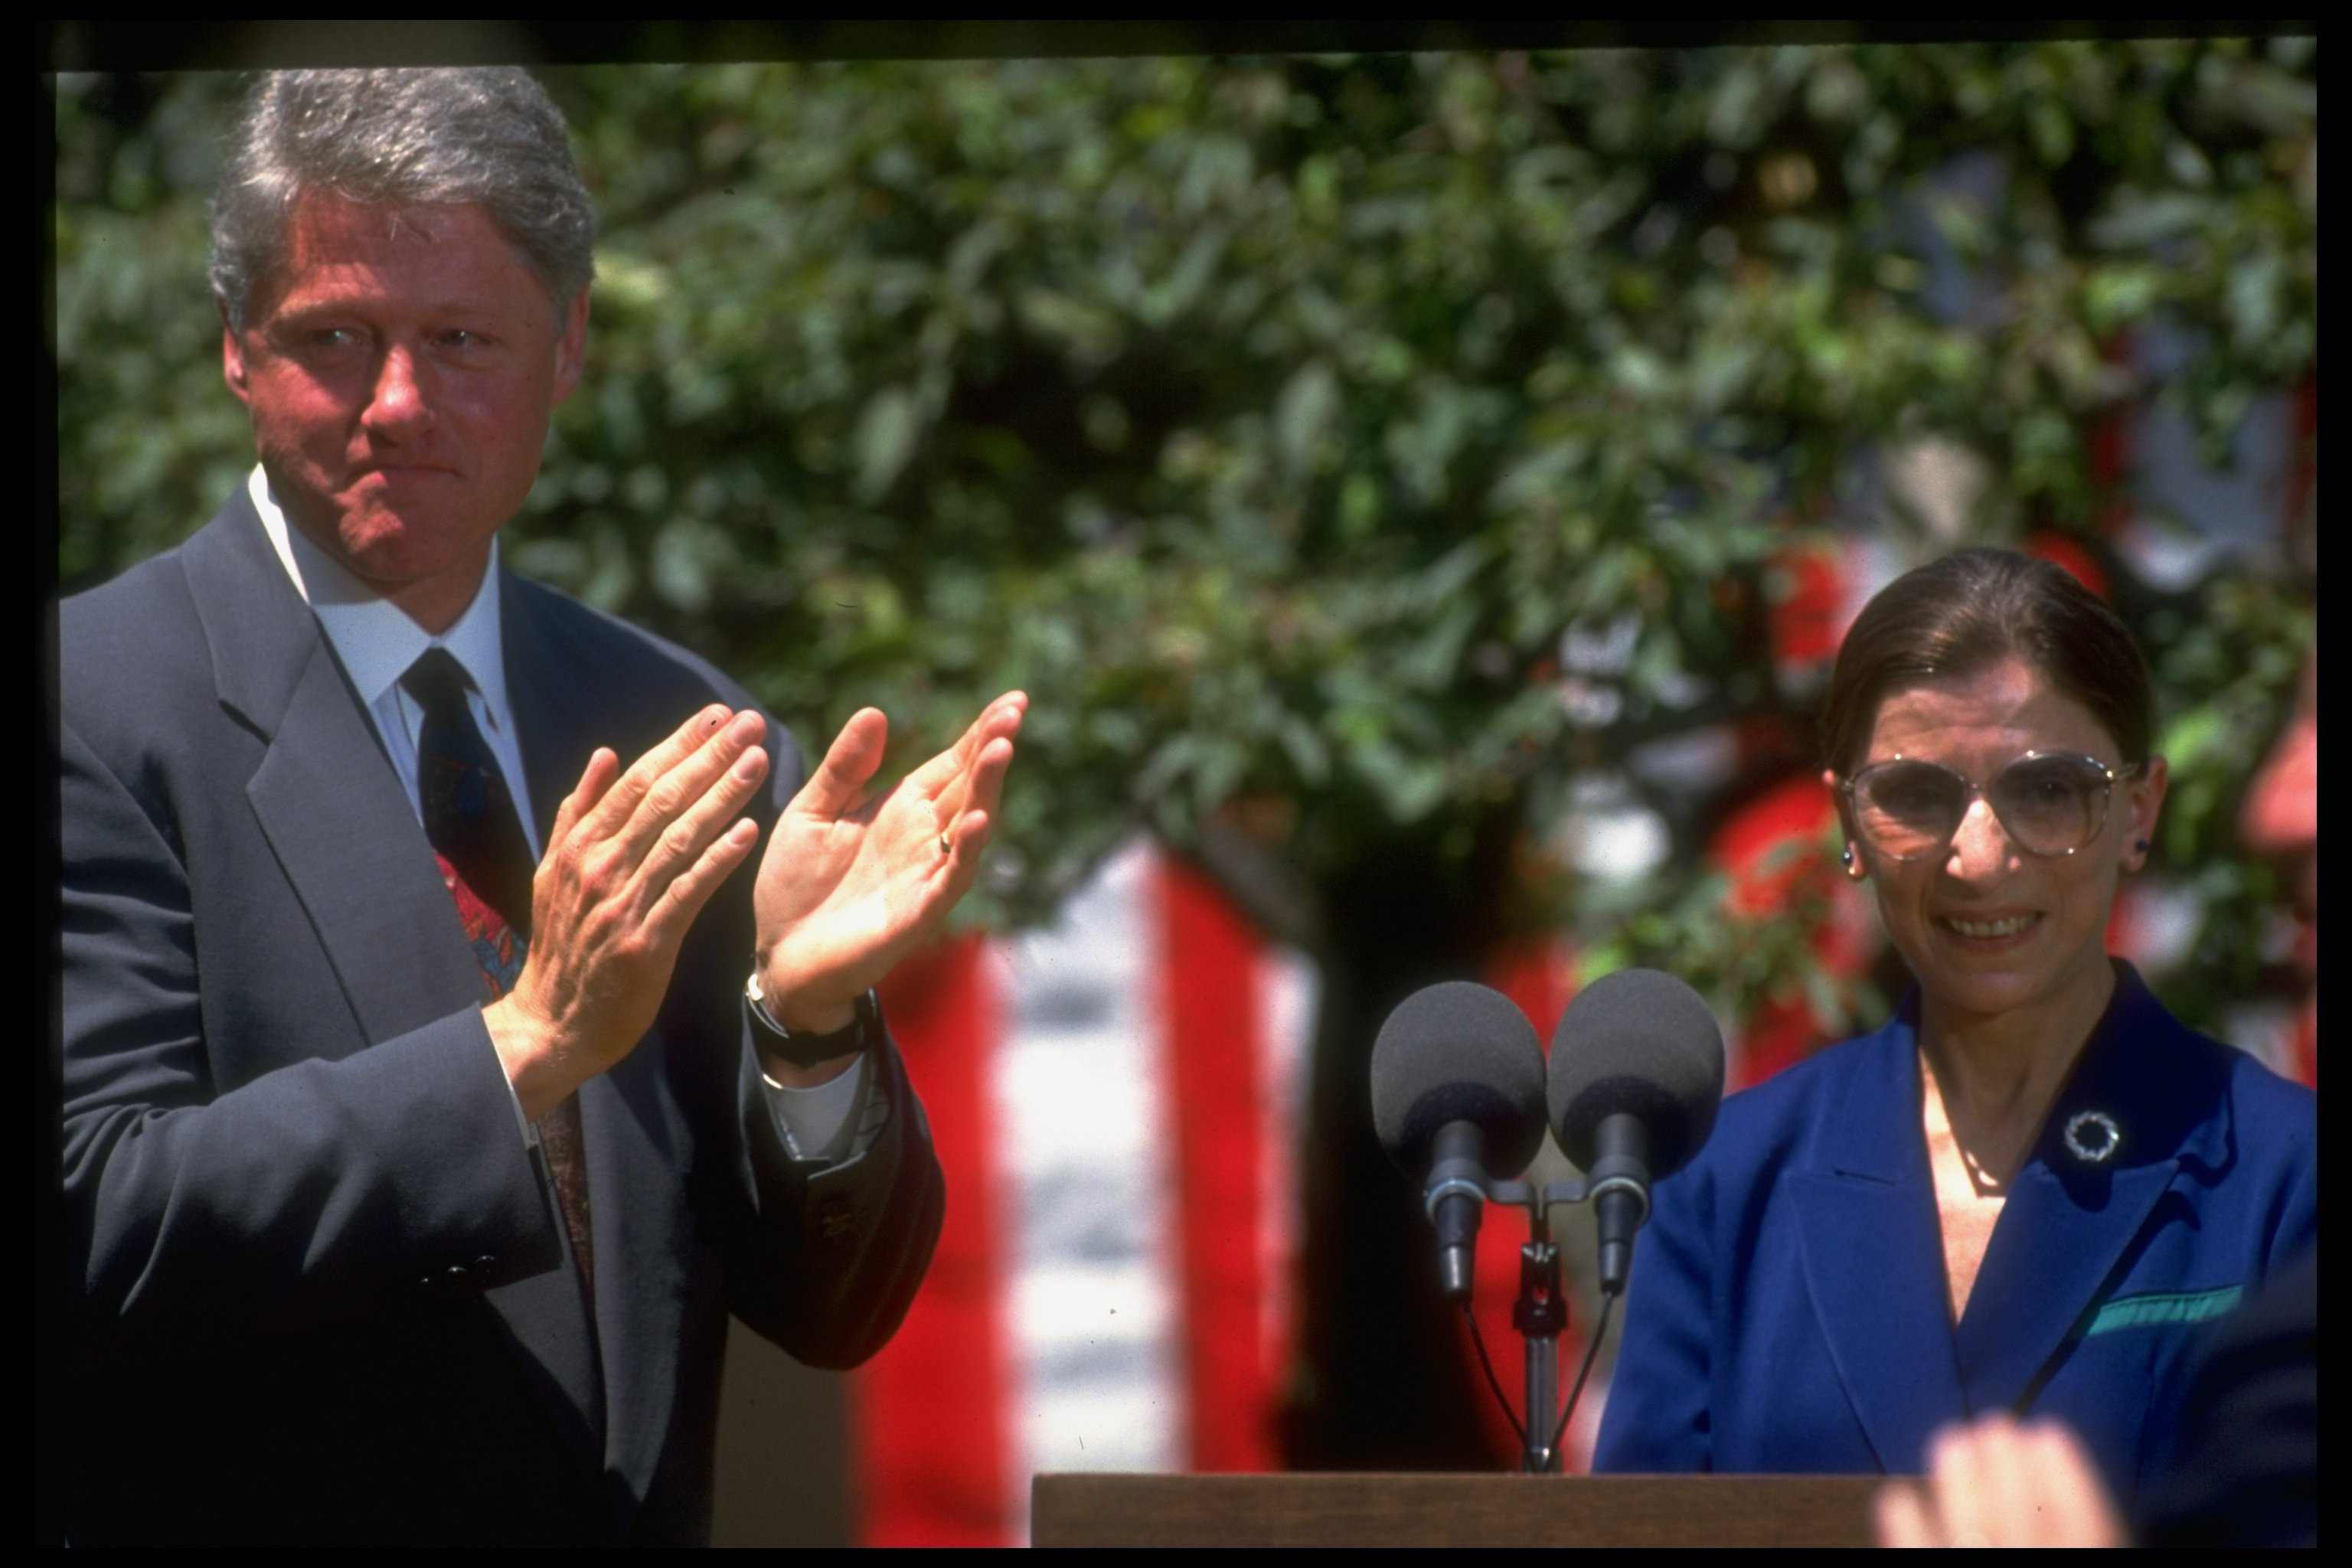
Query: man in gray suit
{"x": 444, "y": 1056}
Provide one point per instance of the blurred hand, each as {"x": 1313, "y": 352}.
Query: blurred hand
{"x": 853, "y": 880}
{"x": 1998, "y": 1483}
{"x": 632, "y": 859}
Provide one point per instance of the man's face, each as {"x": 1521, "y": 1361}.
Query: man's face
{"x": 400, "y": 367}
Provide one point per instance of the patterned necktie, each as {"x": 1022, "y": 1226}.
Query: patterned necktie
{"x": 470, "y": 821}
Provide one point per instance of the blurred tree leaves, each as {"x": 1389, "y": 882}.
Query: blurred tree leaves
{"x": 1275, "y": 420}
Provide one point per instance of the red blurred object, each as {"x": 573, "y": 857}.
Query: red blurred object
{"x": 2061, "y": 551}
{"x": 946, "y": 1419}
{"x": 2281, "y": 814}
{"x": 2279, "y": 820}
{"x": 925, "y": 1413}
{"x": 1810, "y": 622}
{"x": 1775, "y": 850}
{"x": 1209, "y": 998}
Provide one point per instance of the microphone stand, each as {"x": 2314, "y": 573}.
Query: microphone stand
{"x": 1539, "y": 1314}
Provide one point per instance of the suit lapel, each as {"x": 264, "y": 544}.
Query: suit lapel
{"x": 2066, "y": 1233}
{"x": 1874, "y": 1265}
{"x": 637, "y": 1149}
{"x": 349, "y": 844}
{"x": 338, "y": 820}
{"x": 2057, "y": 1245}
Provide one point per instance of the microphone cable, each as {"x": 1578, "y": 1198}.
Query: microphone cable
{"x": 1518, "y": 1429}
{"x": 1600, "y": 1333}
{"x": 1575, "y": 1393}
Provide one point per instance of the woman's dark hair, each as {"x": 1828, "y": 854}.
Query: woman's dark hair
{"x": 1969, "y": 611}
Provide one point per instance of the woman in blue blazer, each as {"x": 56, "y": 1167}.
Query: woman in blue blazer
{"x": 2027, "y": 1191}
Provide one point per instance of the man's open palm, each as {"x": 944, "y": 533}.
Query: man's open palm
{"x": 854, "y": 879}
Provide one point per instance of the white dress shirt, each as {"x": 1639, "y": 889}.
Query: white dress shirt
{"x": 376, "y": 643}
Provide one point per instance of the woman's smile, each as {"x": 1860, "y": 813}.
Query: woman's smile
{"x": 1989, "y": 930}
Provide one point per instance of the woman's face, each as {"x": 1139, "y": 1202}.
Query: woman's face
{"x": 1987, "y": 927}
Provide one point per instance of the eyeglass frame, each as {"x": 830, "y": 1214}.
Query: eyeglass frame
{"x": 1845, "y": 785}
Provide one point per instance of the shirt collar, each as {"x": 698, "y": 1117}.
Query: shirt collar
{"x": 372, "y": 636}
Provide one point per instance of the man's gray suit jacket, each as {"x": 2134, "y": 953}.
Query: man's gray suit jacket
{"x": 318, "y": 1285}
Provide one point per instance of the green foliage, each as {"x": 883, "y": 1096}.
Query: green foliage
{"x": 149, "y": 442}
{"x": 2228, "y": 660}
{"x": 1273, "y": 421}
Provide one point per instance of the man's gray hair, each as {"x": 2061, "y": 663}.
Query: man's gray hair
{"x": 488, "y": 137}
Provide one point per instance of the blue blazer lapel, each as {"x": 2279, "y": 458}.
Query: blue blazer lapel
{"x": 2065, "y": 1236}
{"x": 1873, "y": 1261}
{"x": 350, "y": 846}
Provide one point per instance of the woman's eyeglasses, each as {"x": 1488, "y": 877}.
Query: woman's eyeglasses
{"x": 2052, "y": 802}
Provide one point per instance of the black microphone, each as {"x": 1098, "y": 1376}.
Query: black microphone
{"x": 1457, "y": 1100}
{"x": 1636, "y": 1078}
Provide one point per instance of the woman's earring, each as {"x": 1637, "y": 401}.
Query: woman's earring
{"x": 1852, "y": 869}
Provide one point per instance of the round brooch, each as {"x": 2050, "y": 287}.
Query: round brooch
{"x": 2093, "y": 1136}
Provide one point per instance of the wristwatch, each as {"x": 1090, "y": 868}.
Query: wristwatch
{"x": 807, "y": 1050}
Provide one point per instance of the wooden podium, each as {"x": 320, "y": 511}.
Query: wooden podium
{"x": 1450, "y": 1510}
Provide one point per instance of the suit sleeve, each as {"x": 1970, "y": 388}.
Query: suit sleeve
{"x": 1657, "y": 1417}
{"x": 824, "y": 1258}
{"x": 325, "y": 1189}
{"x": 828, "y": 1256}
{"x": 2245, "y": 1471}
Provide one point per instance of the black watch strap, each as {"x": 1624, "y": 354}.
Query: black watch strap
{"x": 808, "y": 1050}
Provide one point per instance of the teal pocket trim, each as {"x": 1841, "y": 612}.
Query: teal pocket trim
{"x": 2162, "y": 1309}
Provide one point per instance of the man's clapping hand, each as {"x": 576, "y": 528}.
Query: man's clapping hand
{"x": 631, "y": 860}
{"x": 854, "y": 879}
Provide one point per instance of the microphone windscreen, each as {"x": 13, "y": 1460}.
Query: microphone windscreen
{"x": 1642, "y": 1042}
{"x": 1459, "y": 1052}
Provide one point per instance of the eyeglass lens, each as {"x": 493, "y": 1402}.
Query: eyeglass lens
{"x": 2051, "y": 805}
